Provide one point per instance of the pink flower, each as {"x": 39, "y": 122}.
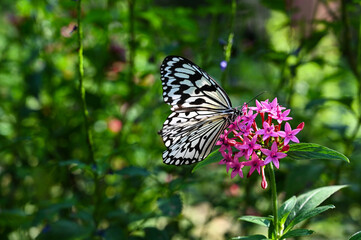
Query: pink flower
{"x": 281, "y": 116}
{"x": 248, "y": 117}
{"x": 259, "y": 107}
{"x": 227, "y": 159}
{"x": 249, "y": 145}
{"x": 267, "y": 131}
{"x": 241, "y": 153}
{"x": 255, "y": 164}
{"x": 237, "y": 169}
{"x": 273, "y": 155}
{"x": 235, "y": 124}
{"x": 270, "y": 107}
{"x": 225, "y": 142}
{"x": 243, "y": 130}
{"x": 289, "y": 134}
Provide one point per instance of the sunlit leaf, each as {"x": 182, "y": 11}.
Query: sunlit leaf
{"x": 310, "y": 200}
{"x": 356, "y": 236}
{"x": 297, "y": 233}
{"x": 263, "y": 221}
{"x": 286, "y": 208}
{"x": 312, "y": 151}
{"x": 304, "y": 215}
{"x": 252, "y": 237}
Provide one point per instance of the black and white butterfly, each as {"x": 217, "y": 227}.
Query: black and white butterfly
{"x": 201, "y": 110}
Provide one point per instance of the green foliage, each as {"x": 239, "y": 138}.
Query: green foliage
{"x": 213, "y": 157}
{"x": 311, "y": 151}
{"x": 171, "y": 206}
{"x": 253, "y": 237}
{"x": 51, "y": 189}
{"x": 263, "y": 221}
{"x": 296, "y": 210}
{"x": 356, "y": 236}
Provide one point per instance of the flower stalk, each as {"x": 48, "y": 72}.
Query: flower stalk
{"x": 272, "y": 178}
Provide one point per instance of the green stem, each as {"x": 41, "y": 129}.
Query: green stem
{"x": 89, "y": 137}
{"x": 353, "y": 58}
{"x": 131, "y": 41}
{"x": 274, "y": 201}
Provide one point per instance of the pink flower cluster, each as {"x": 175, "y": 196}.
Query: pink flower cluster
{"x": 264, "y": 145}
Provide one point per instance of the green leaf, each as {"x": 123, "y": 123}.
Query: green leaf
{"x": 13, "y": 217}
{"x": 155, "y": 233}
{"x": 64, "y": 229}
{"x": 215, "y": 156}
{"x": 263, "y": 221}
{"x": 310, "y": 200}
{"x": 346, "y": 101}
{"x": 172, "y": 206}
{"x": 310, "y": 213}
{"x": 47, "y": 213}
{"x": 297, "y": 233}
{"x": 315, "y": 197}
{"x": 76, "y": 164}
{"x": 133, "y": 171}
{"x": 252, "y": 237}
{"x": 114, "y": 233}
{"x": 286, "y": 209}
{"x": 356, "y": 236}
{"x": 311, "y": 42}
{"x": 312, "y": 151}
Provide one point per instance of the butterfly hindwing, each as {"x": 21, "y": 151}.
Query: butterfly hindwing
{"x": 200, "y": 111}
{"x": 192, "y": 143}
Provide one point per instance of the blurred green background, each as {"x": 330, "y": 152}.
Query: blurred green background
{"x": 306, "y": 53}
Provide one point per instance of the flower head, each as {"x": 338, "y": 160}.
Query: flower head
{"x": 268, "y": 144}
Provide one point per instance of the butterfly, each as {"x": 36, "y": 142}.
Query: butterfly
{"x": 201, "y": 111}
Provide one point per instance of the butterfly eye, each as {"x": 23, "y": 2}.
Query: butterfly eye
{"x": 201, "y": 110}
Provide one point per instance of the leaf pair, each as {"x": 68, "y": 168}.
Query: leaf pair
{"x": 294, "y": 211}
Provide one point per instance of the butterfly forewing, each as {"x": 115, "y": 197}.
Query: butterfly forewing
{"x": 201, "y": 110}
{"x": 185, "y": 85}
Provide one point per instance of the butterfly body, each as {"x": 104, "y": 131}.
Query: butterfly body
{"x": 201, "y": 110}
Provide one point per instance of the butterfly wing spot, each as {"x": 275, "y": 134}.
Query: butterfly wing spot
{"x": 167, "y": 143}
{"x": 184, "y": 70}
{"x": 198, "y": 101}
{"x": 181, "y": 75}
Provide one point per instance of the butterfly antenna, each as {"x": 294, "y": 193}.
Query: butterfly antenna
{"x": 259, "y": 94}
